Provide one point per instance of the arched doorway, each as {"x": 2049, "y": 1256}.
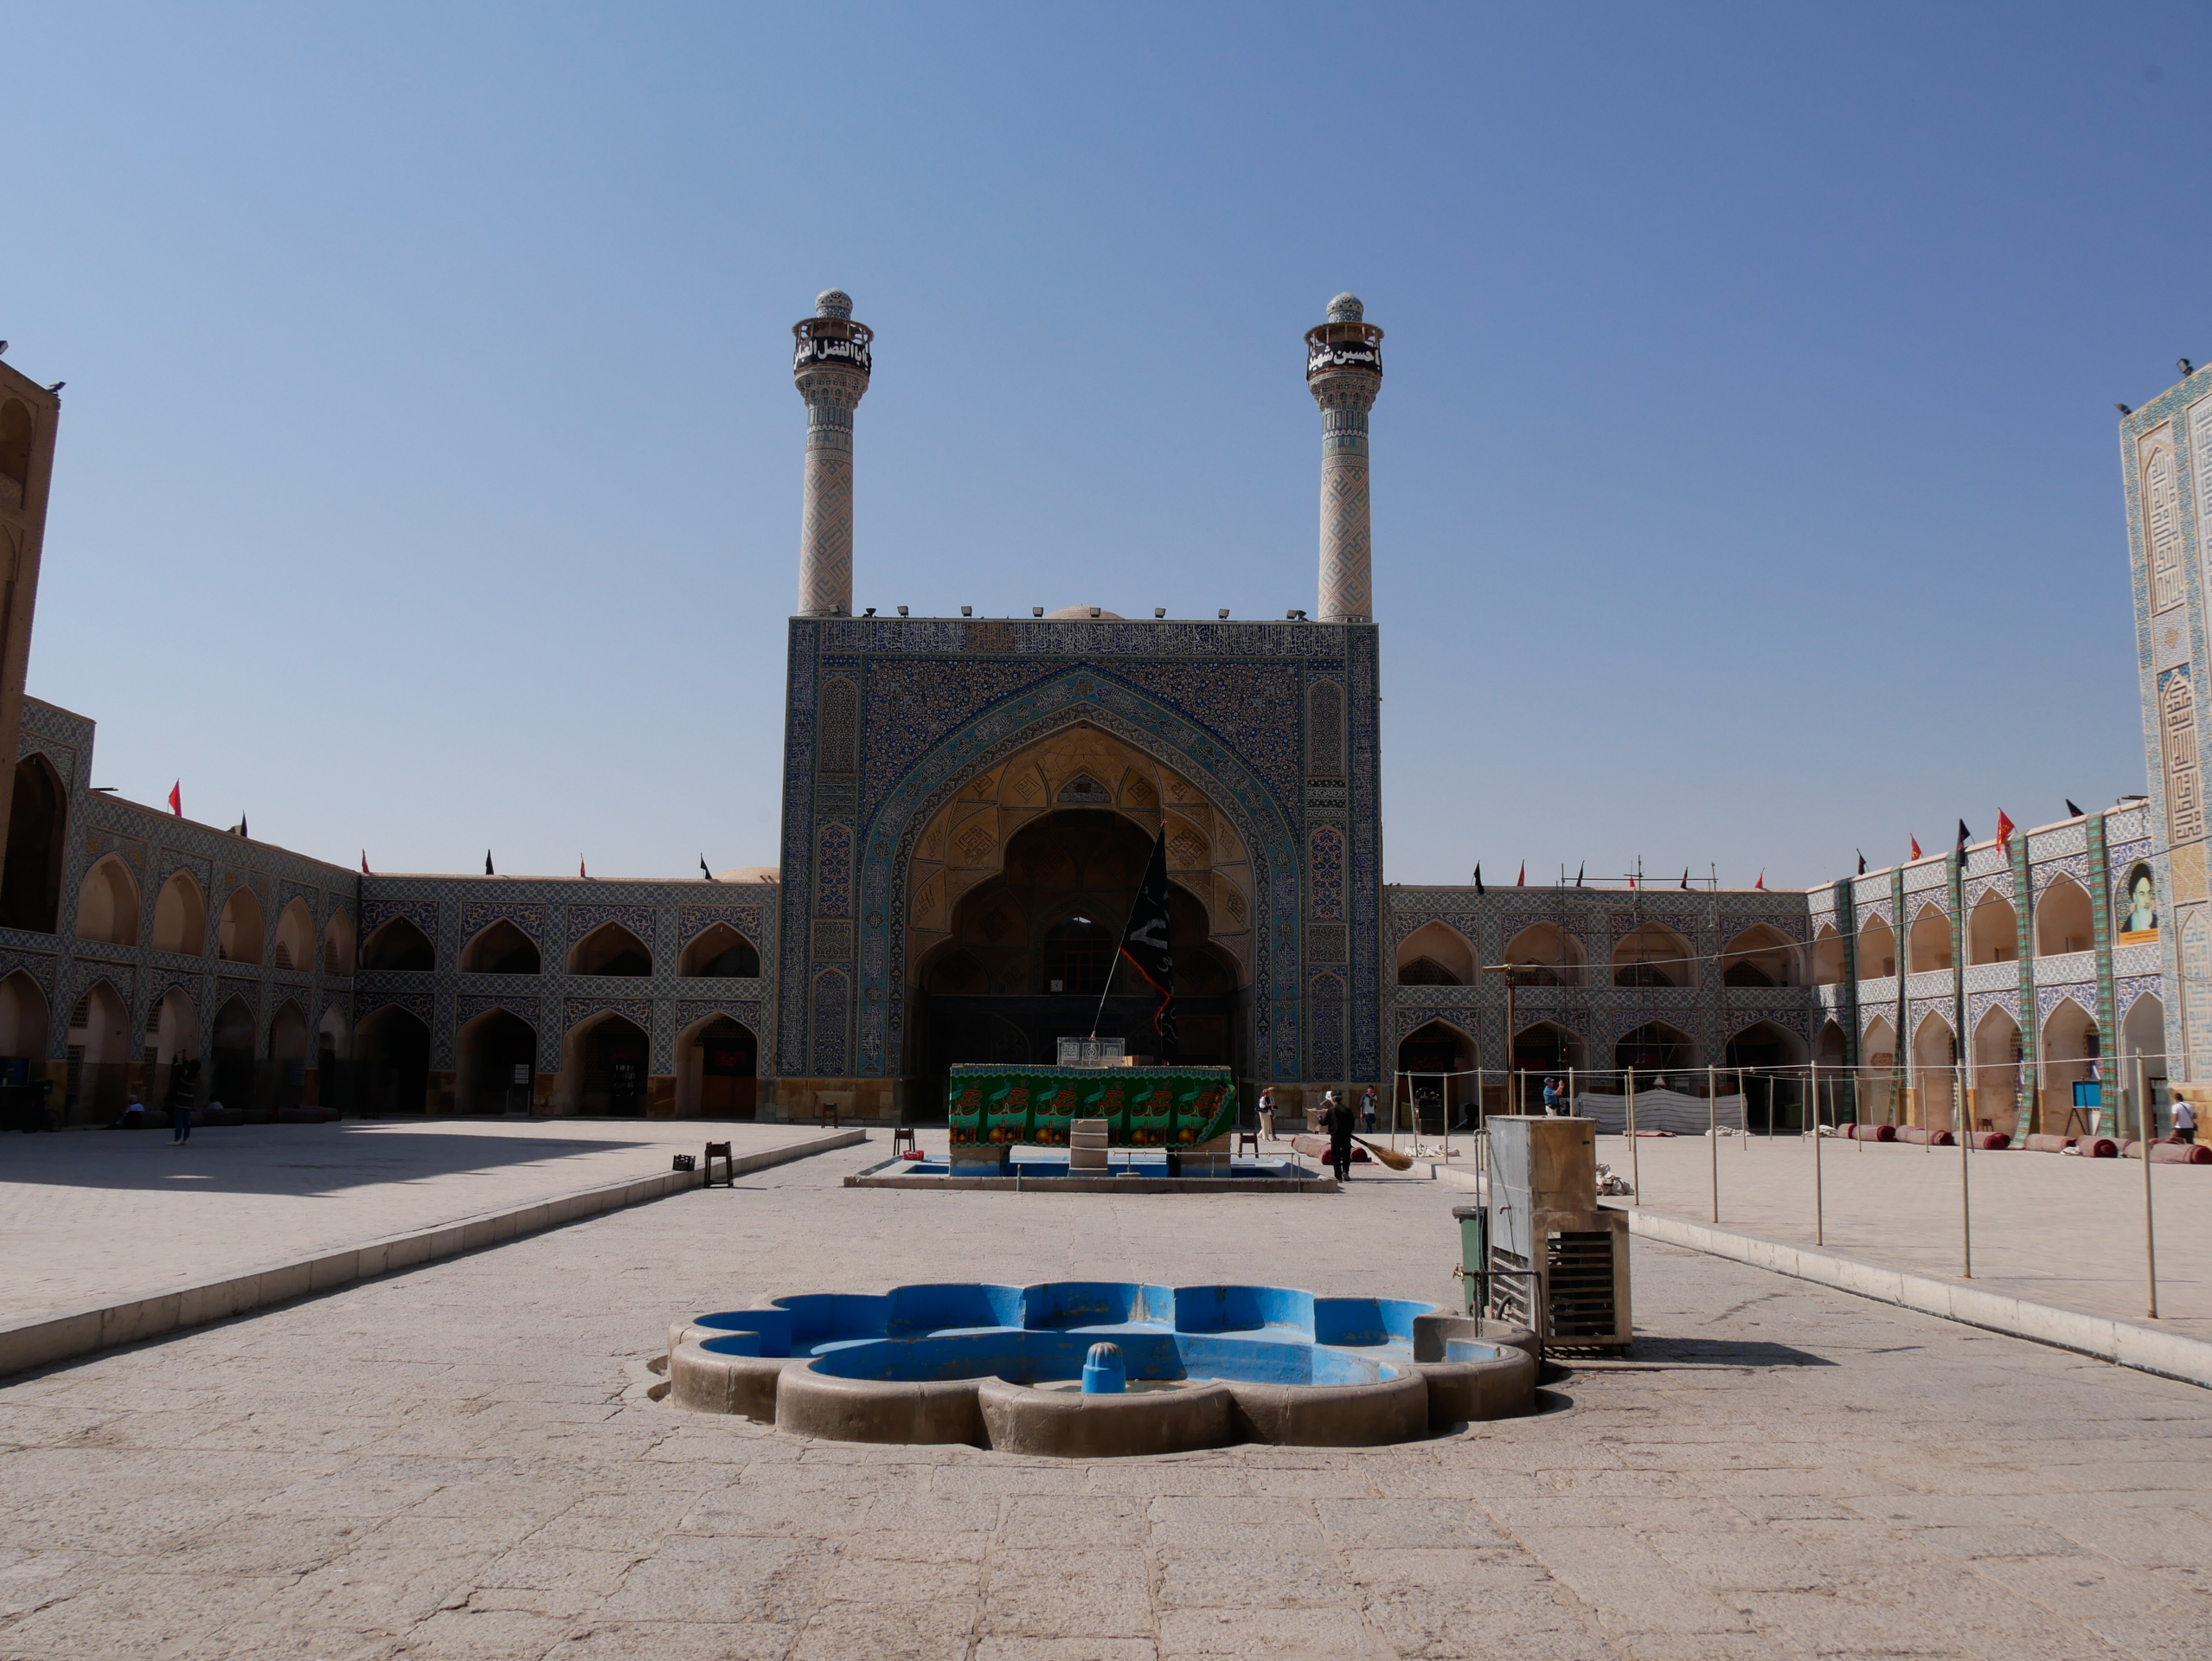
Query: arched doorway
{"x": 173, "y": 1038}
{"x": 1833, "y": 1101}
{"x": 1927, "y": 946}
{"x": 181, "y": 917}
{"x": 497, "y": 1052}
{"x": 611, "y": 949}
{"x": 100, "y": 1057}
{"x": 30, "y": 884}
{"x": 2062, "y": 919}
{"x": 718, "y": 1066}
{"x": 1877, "y": 949}
{"x": 1768, "y": 1059}
{"x": 295, "y": 946}
{"x": 1436, "y": 1065}
{"x": 977, "y": 812}
{"x": 1031, "y": 952}
{"x": 231, "y": 1057}
{"x": 1877, "y": 1074}
{"x": 399, "y": 945}
{"x": 1935, "y": 1054}
{"x": 2072, "y": 1055}
{"x": 1761, "y": 956}
{"x": 500, "y": 949}
{"x": 331, "y": 1059}
{"x": 288, "y": 1055}
{"x": 1542, "y": 1050}
{"x": 1652, "y": 954}
{"x": 604, "y": 1072}
{"x": 1436, "y": 954}
{"x": 1996, "y": 1082}
{"x": 392, "y": 1065}
{"x": 23, "y": 1019}
{"x": 1546, "y": 955}
{"x": 1662, "y": 1056}
{"x": 107, "y": 904}
{"x": 719, "y": 952}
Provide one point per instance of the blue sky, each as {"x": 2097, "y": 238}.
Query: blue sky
{"x": 1745, "y": 483}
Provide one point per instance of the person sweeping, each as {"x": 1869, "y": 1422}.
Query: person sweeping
{"x": 1336, "y": 1119}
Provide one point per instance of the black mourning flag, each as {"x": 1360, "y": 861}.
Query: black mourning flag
{"x": 1145, "y": 943}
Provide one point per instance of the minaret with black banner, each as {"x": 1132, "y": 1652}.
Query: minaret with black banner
{"x": 830, "y": 367}
{"x": 1344, "y": 371}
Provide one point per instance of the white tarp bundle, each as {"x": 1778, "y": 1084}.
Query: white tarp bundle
{"x": 1660, "y": 1110}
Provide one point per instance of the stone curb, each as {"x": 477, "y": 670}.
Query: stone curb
{"x": 2169, "y": 1355}
{"x": 42, "y": 1340}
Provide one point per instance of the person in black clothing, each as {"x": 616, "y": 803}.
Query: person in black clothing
{"x": 1338, "y": 1120}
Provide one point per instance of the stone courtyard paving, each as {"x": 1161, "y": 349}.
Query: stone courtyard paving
{"x": 2056, "y": 1230}
{"x": 462, "y": 1461}
{"x": 96, "y": 1217}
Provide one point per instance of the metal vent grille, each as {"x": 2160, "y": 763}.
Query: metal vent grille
{"x": 1581, "y": 1285}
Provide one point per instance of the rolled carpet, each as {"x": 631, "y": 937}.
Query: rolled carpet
{"x": 2171, "y": 1153}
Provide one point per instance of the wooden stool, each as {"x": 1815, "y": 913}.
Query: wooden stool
{"x": 827, "y": 1111}
{"x": 903, "y": 1136}
{"x": 719, "y": 1150}
{"x": 1247, "y": 1139}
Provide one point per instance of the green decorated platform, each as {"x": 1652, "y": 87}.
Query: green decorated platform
{"x": 1143, "y": 1107}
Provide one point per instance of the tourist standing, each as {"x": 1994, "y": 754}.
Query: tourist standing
{"x": 1553, "y": 1098}
{"x": 180, "y": 1120}
{"x": 2184, "y": 1119}
{"x": 1338, "y": 1117}
{"x": 1267, "y": 1112}
{"x": 1367, "y": 1109}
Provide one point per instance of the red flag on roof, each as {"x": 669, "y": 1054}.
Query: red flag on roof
{"x": 580, "y": 865}
{"x": 1522, "y": 881}
{"x": 2003, "y": 832}
{"x": 1916, "y": 847}
{"x": 176, "y": 798}
{"x": 1762, "y": 878}
{"x": 364, "y": 862}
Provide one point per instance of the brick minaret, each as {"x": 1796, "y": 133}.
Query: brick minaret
{"x": 1344, "y": 371}
{"x": 830, "y": 368}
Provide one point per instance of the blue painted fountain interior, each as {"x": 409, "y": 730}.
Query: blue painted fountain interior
{"x": 1023, "y": 1334}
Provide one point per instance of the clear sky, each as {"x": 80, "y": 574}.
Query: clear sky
{"x": 1745, "y": 483}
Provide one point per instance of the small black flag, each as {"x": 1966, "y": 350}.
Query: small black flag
{"x": 239, "y": 829}
{"x": 1965, "y": 837}
{"x": 1478, "y": 878}
{"x": 703, "y": 871}
{"x": 1685, "y": 876}
{"x": 1579, "y": 870}
{"x": 1862, "y": 861}
{"x": 488, "y": 871}
{"x": 2073, "y": 810}
{"x": 1145, "y": 943}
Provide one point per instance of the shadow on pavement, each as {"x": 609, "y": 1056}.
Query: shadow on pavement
{"x": 285, "y": 1159}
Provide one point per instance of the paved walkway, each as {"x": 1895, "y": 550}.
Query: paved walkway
{"x": 2067, "y": 1232}
{"x": 460, "y": 1462}
{"x": 95, "y": 1217}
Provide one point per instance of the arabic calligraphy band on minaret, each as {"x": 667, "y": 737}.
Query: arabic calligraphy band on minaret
{"x": 1344, "y": 371}
{"x": 829, "y": 367}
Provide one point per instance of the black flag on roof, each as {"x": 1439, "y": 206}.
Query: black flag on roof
{"x": 1145, "y": 943}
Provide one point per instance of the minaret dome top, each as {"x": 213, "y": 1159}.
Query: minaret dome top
{"x": 835, "y": 302}
{"x": 1346, "y": 308}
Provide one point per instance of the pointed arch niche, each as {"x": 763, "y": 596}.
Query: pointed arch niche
{"x": 973, "y": 859}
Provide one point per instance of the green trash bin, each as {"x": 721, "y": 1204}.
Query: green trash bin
{"x": 1474, "y": 1255}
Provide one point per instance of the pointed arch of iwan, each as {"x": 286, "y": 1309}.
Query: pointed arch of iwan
{"x": 1192, "y": 769}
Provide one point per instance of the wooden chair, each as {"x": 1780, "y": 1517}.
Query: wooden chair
{"x": 1245, "y": 1139}
{"x": 902, "y": 1137}
{"x": 719, "y": 1150}
{"x": 826, "y": 1111}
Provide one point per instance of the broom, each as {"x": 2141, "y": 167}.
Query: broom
{"x": 1394, "y": 1160}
